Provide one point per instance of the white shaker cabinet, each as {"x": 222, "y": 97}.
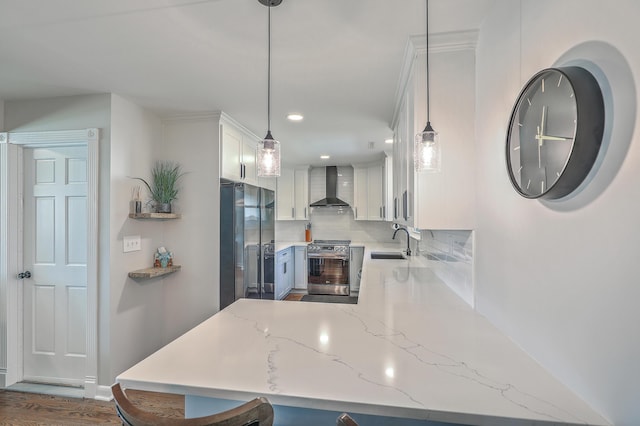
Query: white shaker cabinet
{"x": 238, "y": 152}
{"x": 444, "y": 199}
{"x": 292, "y": 194}
{"x": 284, "y": 273}
{"x": 300, "y": 280}
{"x": 369, "y": 192}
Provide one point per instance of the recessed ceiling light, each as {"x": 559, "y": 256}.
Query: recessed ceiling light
{"x": 325, "y": 157}
{"x": 295, "y": 117}
{"x": 390, "y": 140}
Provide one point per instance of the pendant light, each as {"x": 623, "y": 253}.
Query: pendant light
{"x": 427, "y": 151}
{"x": 268, "y": 148}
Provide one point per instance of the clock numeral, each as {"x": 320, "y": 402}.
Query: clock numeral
{"x": 529, "y": 100}
{"x": 529, "y": 184}
{"x": 543, "y": 85}
{"x": 560, "y": 79}
{"x": 516, "y": 148}
{"x": 542, "y": 187}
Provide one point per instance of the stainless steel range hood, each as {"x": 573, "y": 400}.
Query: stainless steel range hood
{"x": 331, "y": 199}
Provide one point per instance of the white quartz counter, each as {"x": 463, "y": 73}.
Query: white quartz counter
{"x": 410, "y": 348}
{"x": 283, "y": 245}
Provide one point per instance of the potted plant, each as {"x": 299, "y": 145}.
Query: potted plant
{"x": 163, "y": 188}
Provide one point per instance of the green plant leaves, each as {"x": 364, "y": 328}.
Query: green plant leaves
{"x": 164, "y": 180}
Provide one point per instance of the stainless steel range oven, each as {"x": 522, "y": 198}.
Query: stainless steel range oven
{"x": 328, "y": 267}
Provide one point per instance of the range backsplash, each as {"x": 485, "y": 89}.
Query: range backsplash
{"x": 327, "y": 223}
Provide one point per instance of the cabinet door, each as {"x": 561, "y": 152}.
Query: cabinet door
{"x": 301, "y": 194}
{"x": 375, "y": 199}
{"x": 279, "y": 280}
{"x": 289, "y": 275}
{"x": 231, "y": 147}
{"x": 285, "y": 208}
{"x": 249, "y": 160}
{"x": 283, "y": 273}
{"x": 360, "y": 193}
{"x": 300, "y": 279}
{"x": 403, "y": 141}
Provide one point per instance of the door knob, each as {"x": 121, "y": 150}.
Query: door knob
{"x": 23, "y": 275}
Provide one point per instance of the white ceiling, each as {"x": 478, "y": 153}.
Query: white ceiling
{"x": 336, "y": 61}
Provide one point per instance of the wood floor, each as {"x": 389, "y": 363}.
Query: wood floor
{"x": 21, "y": 408}
{"x": 294, "y": 296}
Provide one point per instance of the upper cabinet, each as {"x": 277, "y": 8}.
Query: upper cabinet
{"x": 369, "y": 186}
{"x": 238, "y": 153}
{"x": 445, "y": 199}
{"x": 292, "y": 194}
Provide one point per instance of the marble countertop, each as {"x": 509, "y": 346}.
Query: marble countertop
{"x": 283, "y": 245}
{"x": 410, "y": 348}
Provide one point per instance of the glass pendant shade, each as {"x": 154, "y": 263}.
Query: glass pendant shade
{"x": 427, "y": 151}
{"x": 268, "y": 157}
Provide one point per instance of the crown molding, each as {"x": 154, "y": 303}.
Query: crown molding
{"x": 438, "y": 43}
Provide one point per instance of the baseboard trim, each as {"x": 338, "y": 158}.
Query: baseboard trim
{"x": 103, "y": 393}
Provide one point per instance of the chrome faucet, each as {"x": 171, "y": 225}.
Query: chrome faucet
{"x": 408, "y": 239}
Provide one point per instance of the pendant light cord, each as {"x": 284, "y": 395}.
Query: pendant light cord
{"x": 427, "y": 54}
{"x": 269, "y": 72}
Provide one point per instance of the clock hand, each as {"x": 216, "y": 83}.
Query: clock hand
{"x": 542, "y": 137}
{"x": 538, "y": 136}
{"x": 544, "y": 110}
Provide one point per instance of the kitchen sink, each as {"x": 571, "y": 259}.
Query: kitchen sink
{"x": 387, "y": 255}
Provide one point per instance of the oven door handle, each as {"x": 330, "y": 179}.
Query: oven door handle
{"x": 326, "y": 256}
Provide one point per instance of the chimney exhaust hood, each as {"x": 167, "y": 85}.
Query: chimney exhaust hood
{"x": 331, "y": 199}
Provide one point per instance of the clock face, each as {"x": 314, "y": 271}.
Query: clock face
{"x": 542, "y": 133}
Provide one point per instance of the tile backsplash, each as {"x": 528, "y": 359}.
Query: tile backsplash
{"x": 331, "y": 223}
{"x": 452, "y": 256}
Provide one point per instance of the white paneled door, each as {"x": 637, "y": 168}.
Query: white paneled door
{"x": 55, "y": 253}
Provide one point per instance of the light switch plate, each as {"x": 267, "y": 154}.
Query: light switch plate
{"x": 131, "y": 243}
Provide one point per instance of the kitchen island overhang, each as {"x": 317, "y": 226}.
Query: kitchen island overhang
{"x": 409, "y": 349}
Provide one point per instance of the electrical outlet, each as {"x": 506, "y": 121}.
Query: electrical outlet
{"x": 131, "y": 243}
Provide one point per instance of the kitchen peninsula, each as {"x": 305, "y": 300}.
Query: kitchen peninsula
{"x": 410, "y": 349}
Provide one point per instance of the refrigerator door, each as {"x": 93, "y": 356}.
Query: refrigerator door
{"x": 267, "y": 238}
{"x": 231, "y": 242}
{"x": 250, "y": 284}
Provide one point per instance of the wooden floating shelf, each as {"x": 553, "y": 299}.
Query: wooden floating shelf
{"x": 153, "y": 272}
{"x": 160, "y": 216}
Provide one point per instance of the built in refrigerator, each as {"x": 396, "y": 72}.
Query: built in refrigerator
{"x": 247, "y": 234}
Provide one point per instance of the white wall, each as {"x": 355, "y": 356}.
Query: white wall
{"x": 560, "y": 277}
{"x": 1, "y": 115}
{"x": 192, "y": 294}
{"x": 132, "y": 311}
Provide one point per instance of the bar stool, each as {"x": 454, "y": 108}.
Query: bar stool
{"x": 257, "y": 412}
